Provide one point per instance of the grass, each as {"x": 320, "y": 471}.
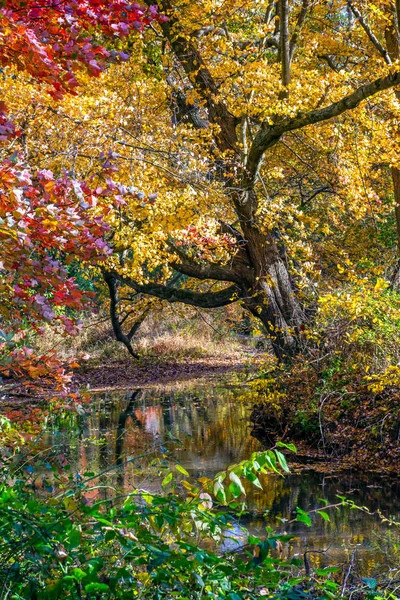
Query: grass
{"x": 165, "y": 335}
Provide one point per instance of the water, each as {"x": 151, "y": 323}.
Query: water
{"x": 211, "y": 422}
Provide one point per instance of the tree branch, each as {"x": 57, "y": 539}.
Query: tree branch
{"x": 116, "y": 325}
{"x": 300, "y": 22}
{"x": 268, "y": 135}
{"x": 269, "y": 12}
{"x": 284, "y": 42}
{"x": 372, "y": 37}
{"x": 194, "y": 66}
{"x": 199, "y": 299}
{"x": 189, "y": 111}
{"x": 206, "y": 270}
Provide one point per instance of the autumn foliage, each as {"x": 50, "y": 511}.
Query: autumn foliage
{"x": 49, "y": 220}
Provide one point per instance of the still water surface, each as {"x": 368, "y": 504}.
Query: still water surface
{"x": 211, "y": 422}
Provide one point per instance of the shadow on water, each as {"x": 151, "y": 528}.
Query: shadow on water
{"x": 212, "y": 423}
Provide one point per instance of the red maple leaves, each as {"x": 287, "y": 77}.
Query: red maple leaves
{"x": 52, "y": 39}
{"x": 47, "y": 220}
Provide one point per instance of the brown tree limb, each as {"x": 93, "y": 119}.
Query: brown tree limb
{"x": 200, "y": 76}
{"x": 269, "y": 12}
{"x": 116, "y": 325}
{"x": 208, "y": 270}
{"x": 172, "y": 294}
{"x": 298, "y": 27}
{"x": 284, "y": 41}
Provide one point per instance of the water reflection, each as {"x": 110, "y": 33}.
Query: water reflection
{"x": 212, "y": 426}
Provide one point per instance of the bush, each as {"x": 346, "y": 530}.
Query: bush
{"x": 342, "y": 394}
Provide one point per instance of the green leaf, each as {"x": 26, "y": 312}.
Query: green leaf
{"x": 252, "y": 477}
{"x": 370, "y": 582}
{"x": 327, "y": 570}
{"x": 270, "y": 462}
{"x": 303, "y": 517}
{"x": 219, "y": 491}
{"x": 96, "y": 587}
{"x": 52, "y": 591}
{"x": 78, "y": 574}
{"x": 282, "y": 461}
{"x": 181, "y": 470}
{"x": 235, "y": 490}
{"x": 290, "y": 447}
{"x": 235, "y": 479}
{"x": 167, "y": 479}
{"x": 324, "y": 515}
{"x": 74, "y": 538}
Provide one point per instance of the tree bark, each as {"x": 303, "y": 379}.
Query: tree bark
{"x": 271, "y": 297}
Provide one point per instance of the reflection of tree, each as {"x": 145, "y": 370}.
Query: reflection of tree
{"x": 121, "y": 430}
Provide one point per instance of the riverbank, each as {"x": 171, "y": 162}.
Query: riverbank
{"x": 119, "y": 375}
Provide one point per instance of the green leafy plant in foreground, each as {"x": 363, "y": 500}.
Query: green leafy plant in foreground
{"x": 150, "y": 546}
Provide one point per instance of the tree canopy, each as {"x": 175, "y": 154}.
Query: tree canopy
{"x": 243, "y": 152}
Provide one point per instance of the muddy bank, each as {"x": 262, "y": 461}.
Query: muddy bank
{"x": 127, "y": 374}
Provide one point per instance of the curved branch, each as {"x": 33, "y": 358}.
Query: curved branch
{"x": 268, "y": 135}
{"x": 206, "y": 269}
{"x": 116, "y": 324}
{"x": 200, "y": 299}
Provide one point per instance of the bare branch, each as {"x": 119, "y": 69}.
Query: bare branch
{"x": 330, "y": 61}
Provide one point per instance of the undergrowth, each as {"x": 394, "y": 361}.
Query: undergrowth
{"x": 342, "y": 393}
{"x": 166, "y": 334}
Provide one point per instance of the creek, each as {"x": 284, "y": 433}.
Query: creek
{"x": 205, "y": 427}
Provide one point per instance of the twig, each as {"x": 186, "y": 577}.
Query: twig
{"x": 351, "y": 565}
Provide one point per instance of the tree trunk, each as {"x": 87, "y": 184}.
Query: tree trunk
{"x": 272, "y": 300}
{"x": 271, "y": 295}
